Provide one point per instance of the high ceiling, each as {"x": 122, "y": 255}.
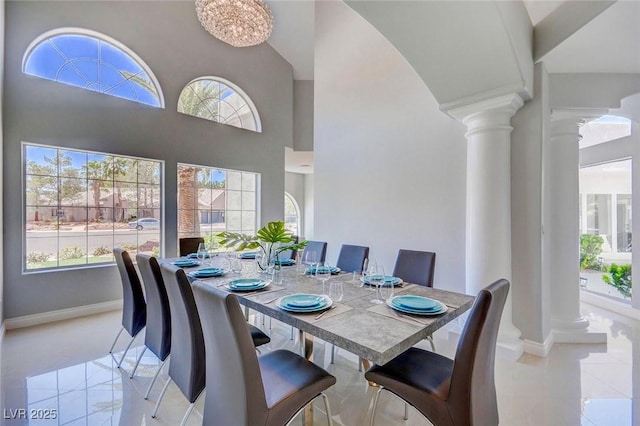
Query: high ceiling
{"x": 609, "y": 43}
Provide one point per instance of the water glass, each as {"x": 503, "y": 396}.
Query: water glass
{"x": 376, "y": 280}
{"x": 336, "y": 290}
{"x": 202, "y": 253}
{"x": 235, "y": 264}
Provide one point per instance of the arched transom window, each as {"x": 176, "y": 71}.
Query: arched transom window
{"x": 219, "y": 100}
{"x": 93, "y": 61}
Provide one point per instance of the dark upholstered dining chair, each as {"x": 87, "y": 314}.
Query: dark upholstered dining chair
{"x": 416, "y": 267}
{"x": 318, "y": 247}
{"x": 242, "y": 388}
{"x": 187, "y": 365}
{"x": 452, "y": 392}
{"x": 157, "y": 337}
{"x": 134, "y": 307}
{"x": 189, "y": 245}
{"x": 351, "y": 258}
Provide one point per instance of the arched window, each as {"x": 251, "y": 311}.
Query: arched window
{"x": 291, "y": 214}
{"x": 93, "y": 61}
{"x": 219, "y": 100}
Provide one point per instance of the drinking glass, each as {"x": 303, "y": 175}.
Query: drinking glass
{"x": 235, "y": 264}
{"x": 376, "y": 279}
{"x": 202, "y": 253}
{"x": 359, "y": 276}
{"x": 386, "y": 289}
{"x": 336, "y": 290}
{"x": 308, "y": 260}
{"x": 322, "y": 272}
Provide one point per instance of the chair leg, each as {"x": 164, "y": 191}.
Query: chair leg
{"x": 433, "y": 345}
{"x": 291, "y": 338}
{"x": 138, "y": 362}
{"x": 190, "y": 409}
{"x": 146, "y": 395}
{"x": 333, "y": 353}
{"x": 114, "y": 342}
{"x": 359, "y": 364}
{"x": 406, "y": 411}
{"x": 375, "y": 405}
{"x": 125, "y": 351}
{"x": 327, "y": 408}
{"x": 164, "y": 390}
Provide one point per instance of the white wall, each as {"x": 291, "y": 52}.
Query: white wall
{"x": 390, "y": 168}
{"x": 309, "y": 218}
{"x": 1, "y": 150}
{"x": 294, "y": 185}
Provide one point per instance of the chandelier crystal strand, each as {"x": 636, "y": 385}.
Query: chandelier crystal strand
{"x": 239, "y": 23}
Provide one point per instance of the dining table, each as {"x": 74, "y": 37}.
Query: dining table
{"x": 374, "y": 332}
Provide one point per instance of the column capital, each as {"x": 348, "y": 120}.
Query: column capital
{"x": 503, "y": 105}
{"x": 490, "y": 114}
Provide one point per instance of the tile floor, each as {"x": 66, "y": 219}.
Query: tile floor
{"x": 65, "y": 367}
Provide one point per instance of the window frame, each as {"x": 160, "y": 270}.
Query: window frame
{"x": 234, "y": 87}
{"x": 103, "y": 37}
{"x": 213, "y": 211}
{"x": 24, "y": 207}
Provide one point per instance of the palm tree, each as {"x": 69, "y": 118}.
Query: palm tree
{"x": 188, "y": 220}
{"x": 201, "y": 99}
{"x": 95, "y": 171}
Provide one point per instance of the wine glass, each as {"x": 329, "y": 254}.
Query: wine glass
{"x": 309, "y": 259}
{"x": 322, "y": 272}
{"x": 358, "y": 276}
{"x": 202, "y": 253}
{"x": 386, "y": 289}
{"x": 336, "y": 290}
{"x": 376, "y": 279}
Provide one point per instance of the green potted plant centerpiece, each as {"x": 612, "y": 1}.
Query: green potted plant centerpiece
{"x": 271, "y": 240}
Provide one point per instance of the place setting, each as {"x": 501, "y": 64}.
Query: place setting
{"x": 212, "y": 272}
{"x": 186, "y": 263}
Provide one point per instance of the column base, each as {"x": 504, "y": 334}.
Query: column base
{"x": 578, "y": 336}
{"x": 575, "y": 331}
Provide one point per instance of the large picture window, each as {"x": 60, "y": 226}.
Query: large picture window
{"x": 79, "y": 205}
{"x": 212, "y": 200}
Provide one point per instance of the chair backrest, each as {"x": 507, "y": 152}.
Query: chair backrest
{"x": 187, "y": 366}
{"x": 134, "y": 307}
{"x": 157, "y": 337}
{"x": 288, "y": 254}
{"x": 319, "y": 247}
{"x": 351, "y": 258}
{"x": 416, "y": 267}
{"x": 235, "y": 392}
{"x": 189, "y": 245}
{"x": 472, "y": 393}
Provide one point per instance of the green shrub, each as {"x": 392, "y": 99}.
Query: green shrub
{"x": 129, "y": 247}
{"x": 36, "y": 257}
{"x": 590, "y": 249}
{"x": 620, "y": 278}
{"x": 101, "y": 251}
{"x": 155, "y": 252}
{"x": 71, "y": 253}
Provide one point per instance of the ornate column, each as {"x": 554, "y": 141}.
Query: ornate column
{"x": 561, "y": 232}
{"x": 488, "y": 213}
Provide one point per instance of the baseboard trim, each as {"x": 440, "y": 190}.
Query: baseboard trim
{"x": 610, "y": 305}
{"x": 61, "y": 314}
{"x": 539, "y": 349}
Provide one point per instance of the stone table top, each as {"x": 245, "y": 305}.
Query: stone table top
{"x": 373, "y": 332}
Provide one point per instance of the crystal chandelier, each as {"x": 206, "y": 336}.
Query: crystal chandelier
{"x": 237, "y": 22}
